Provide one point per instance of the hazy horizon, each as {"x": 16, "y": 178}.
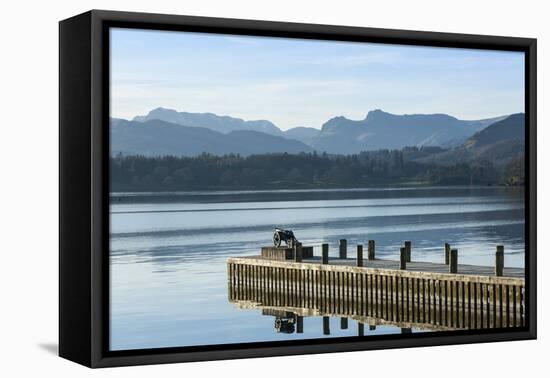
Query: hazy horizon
{"x": 293, "y": 82}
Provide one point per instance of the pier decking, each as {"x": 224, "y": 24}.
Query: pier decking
{"x": 406, "y": 294}
{"x": 413, "y": 266}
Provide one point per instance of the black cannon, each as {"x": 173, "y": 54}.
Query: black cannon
{"x": 287, "y": 236}
{"x": 285, "y": 325}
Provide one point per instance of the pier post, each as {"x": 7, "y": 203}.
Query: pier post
{"x": 359, "y": 254}
{"x": 326, "y": 325}
{"x": 371, "y": 255}
{"x": 299, "y": 324}
{"x": 403, "y": 258}
{"x": 360, "y": 329}
{"x": 408, "y": 248}
{"x": 343, "y": 249}
{"x": 499, "y": 261}
{"x": 447, "y": 251}
{"x": 298, "y": 252}
{"x": 343, "y": 323}
{"x": 453, "y": 264}
{"x": 324, "y": 252}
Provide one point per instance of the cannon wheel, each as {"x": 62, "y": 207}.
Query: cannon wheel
{"x": 276, "y": 239}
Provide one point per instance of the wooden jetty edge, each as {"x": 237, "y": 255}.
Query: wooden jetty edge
{"x": 405, "y": 293}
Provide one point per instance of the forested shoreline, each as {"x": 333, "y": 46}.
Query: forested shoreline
{"x": 298, "y": 171}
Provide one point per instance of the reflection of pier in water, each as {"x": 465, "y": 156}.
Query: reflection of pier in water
{"x": 375, "y": 294}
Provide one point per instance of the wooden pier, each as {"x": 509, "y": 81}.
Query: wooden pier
{"x": 406, "y": 293}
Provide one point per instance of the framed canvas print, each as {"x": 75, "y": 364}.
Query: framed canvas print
{"x": 234, "y": 188}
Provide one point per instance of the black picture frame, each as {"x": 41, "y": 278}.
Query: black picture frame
{"x": 84, "y": 189}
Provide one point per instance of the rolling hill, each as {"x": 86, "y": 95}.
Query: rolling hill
{"x": 498, "y": 143}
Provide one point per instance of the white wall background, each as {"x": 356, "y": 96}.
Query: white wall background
{"x": 29, "y": 187}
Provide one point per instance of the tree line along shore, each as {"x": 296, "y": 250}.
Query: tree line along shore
{"x": 302, "y": 171}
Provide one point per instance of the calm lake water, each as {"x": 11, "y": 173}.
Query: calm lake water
{"x": 169, "y": 250}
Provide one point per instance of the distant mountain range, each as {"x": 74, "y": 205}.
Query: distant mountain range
{"x": 155, "y": 138}
{"x": 168, "y": 132}
{"x": 222, "y": 124}
{"x": 381, "y": 130}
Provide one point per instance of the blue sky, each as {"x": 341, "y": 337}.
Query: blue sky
{"x": 294, "y": 82}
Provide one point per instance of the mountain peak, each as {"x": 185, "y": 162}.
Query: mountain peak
{"x": 334, "y": 122}
{"x": 337, "y": 119}
{"x": 378, "y": 114}
{"x": 161, "y": 110}
{"x": 377, "y": 111}
{"x": 158, "y": 113}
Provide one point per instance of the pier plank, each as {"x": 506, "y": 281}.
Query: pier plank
{"x": 414, "y": 266}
